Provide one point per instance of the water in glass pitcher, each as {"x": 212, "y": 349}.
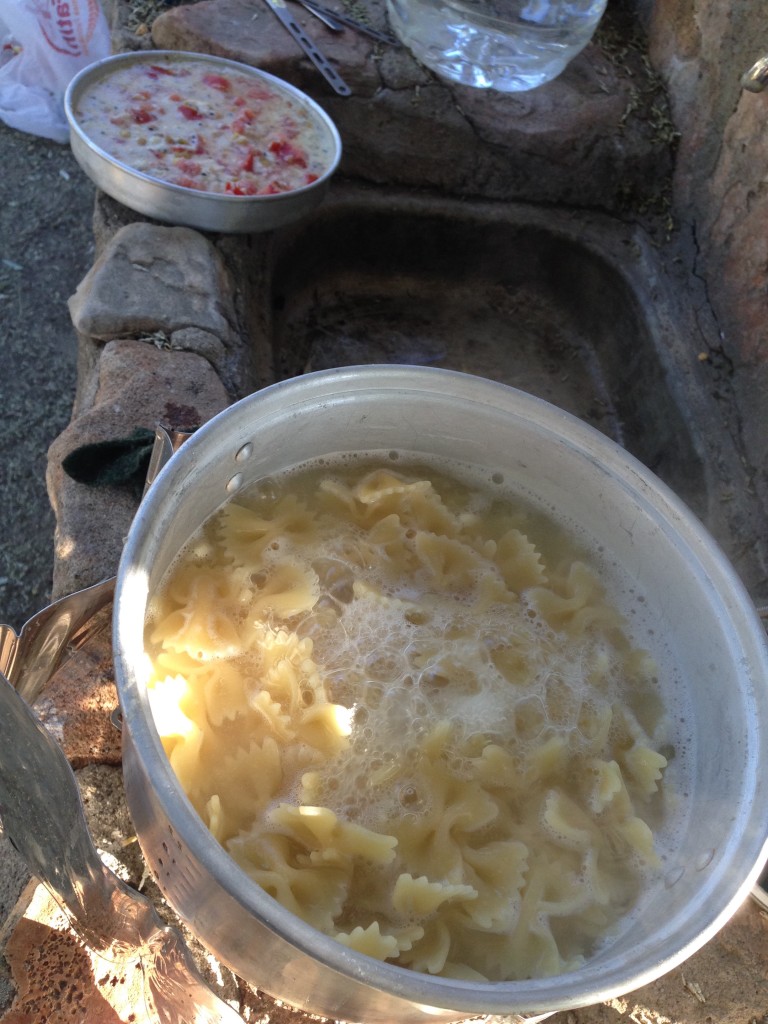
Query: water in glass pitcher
{"x": 510, "y": 45}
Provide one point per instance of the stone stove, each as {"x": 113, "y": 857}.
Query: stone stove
{"x": 550, "y": 215}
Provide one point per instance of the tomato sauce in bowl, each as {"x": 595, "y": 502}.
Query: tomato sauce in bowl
{"x": 202, "y": 126}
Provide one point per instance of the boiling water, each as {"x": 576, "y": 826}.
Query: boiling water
{"x": 509, "y": 45}
{"x": 410, "y": 612}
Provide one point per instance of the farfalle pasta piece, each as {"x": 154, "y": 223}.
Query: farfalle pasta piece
{"x": 637, "y": 834}
{"x": 451, "y": 564}
{"x": 519, "y": 562}
{"x": 270, "y": 718}
{"x": 568, "y": 824}
{"x": 205, "y": 625}
{"x": 430, "y": 953}
{"x": 497, "y": 870}
{"x": 315, "y": 893}
{"x": 245, "y": 782}
{"x": 419, "y": 897}
{"x": 174, "y": 706}
{"x": 224, "y": 691}
{"x": 608, "y": 783}
{"x": 329, "y": 839}
{"x": 286, "y": 590}
{"x": 432, "y": 844}
{"x": 369, "y": 941}
{"x": 244, "y": 535}
{"x": 326, "y": 727}
{"x": 383, "y": 492}
{"x": 644, "y": 767}
{"x": 575, "y": 603}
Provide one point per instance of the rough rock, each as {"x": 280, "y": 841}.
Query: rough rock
{"x": 76, "y": 707}
{"x": 586, "y": 137}
{"x": 139, "y": 386}
{"x": 724, "y": 983}
{"x": 151, "y": 278}
{"x": 702, "y": 49}
{"x": 58, "y": 980}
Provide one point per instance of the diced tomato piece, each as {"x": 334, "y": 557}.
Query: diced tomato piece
{"x": 259, "y": 92}
{"x": 287, "y": 153}
{"x": 190, "y": 167}
{"x": 249, "y": 164}
{"x": 240, "y": 188}
{"x": 244, "y": 118}
{"x": 155, "y": 70}
{"x": 220, "y": 82}
{"x": 190, "y": 113}
{"x": 311, "y": 177}
{"x": 273, "y": 188}
{"x": 141, "y": 115}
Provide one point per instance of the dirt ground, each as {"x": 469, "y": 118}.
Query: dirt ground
{"x": 45, "y": 249}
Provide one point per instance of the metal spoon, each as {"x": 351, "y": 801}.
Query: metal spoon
{"x": 326, "y": 18}
{"x": 336, "y": 21}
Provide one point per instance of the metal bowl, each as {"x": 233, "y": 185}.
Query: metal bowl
{"x": 699, "y": 613}
{"x": 177, "y": 204}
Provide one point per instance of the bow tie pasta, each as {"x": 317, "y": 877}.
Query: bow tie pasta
{"x": 403, "y": 705}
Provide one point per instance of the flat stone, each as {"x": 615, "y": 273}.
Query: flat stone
{"x": 152, "y": 279}
{"x": 586, "y": 137}
{"x": 139, "y": 386}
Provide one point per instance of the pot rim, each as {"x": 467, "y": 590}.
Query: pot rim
{"x": 604, "y": 976}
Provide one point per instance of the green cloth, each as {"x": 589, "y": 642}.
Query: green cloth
{"x": 121, "y": 462}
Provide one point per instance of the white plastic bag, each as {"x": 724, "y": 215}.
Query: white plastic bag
{"x": 43, "y": 44}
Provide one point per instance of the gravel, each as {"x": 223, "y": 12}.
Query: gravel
{"x": 46, "y": 247}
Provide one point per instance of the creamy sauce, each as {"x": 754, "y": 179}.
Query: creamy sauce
{"x": 205, "y": 127}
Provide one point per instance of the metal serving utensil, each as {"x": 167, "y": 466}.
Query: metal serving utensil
{"x": 43, "y": 817}
{"x": 321, "y": 62}
{"x": 336, "y": 20}
{"x": 327, "y": 19}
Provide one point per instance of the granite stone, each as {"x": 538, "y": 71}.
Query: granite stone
{"x": 155, "y": 279}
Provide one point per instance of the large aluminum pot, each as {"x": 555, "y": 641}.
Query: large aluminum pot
{"x": 697, "y": 606}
